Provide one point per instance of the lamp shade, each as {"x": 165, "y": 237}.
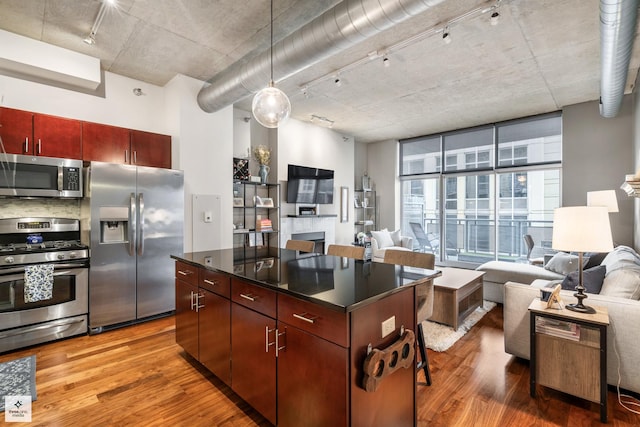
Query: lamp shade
{"x": 271, "y": 107}
{"x": 606, "y": 198}
{"x": 582, "y": 229}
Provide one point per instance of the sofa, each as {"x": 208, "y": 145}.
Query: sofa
{"x": 384, "y": 239}
{"x": 497, "y": 273}
{"x": 619, "y": 293}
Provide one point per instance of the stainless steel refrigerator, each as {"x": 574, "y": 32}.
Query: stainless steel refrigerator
{"x": 135, "y": 218}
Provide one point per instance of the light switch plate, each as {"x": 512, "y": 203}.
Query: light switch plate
{"x": 388, "y": 326}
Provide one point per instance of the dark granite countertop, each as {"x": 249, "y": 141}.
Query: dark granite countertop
{"x": 342, "y": 284}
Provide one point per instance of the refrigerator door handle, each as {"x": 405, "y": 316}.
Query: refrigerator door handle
{"x": 132, "y": 224}
{"x": 141, "y": 224}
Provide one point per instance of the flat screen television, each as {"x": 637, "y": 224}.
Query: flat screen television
{"x": 309, "y": 185}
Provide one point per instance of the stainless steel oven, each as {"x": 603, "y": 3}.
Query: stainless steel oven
{"x": 27, "y": 321}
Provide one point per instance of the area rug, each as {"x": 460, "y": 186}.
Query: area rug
{"x": 440, "y": 337}
{"x": 18, "y": 378}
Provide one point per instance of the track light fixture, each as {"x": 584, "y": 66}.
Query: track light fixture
{"x": 446, "y": 35}
{"x": 337, "y": 82}
{"x": 271, "y": 106}
{"x": 91, "y": 38}
{"x": 386, "y": 62}
{"x": 495, "y": 18}
{"x": 322, "y": 121}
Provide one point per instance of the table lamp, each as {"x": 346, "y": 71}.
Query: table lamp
{"x": 581, "y": 229}
{"x": 605, "y": 198}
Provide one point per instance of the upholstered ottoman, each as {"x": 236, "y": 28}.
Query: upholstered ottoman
{"x": 497, "y": 273}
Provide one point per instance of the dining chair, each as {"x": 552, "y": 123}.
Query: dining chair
{"x": 300, "y": 245}
{"x": 356, "y": 252}
{"x": 424, "y": 297}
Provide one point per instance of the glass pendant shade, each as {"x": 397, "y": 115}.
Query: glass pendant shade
{"x": 271, "y": 107}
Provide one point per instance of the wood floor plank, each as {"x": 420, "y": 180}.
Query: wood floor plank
{"x": 139, "y": 376}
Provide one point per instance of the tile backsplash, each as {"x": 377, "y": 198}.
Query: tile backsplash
{"x": 22, "y": 208}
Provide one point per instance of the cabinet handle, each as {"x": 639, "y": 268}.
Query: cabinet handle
{"x": 135, "y": 157}
{"x": 197, "y": 304}
{"x": 304, "y": 317}
{"x": 214, "y": 282}
{"x": 192, "y": 301}
{"x": 126, "y": 156}
{"x": 249, "y": 297}
{"x": 26, "y": 145}
{"x": 267, "y": 344}
{"x": 39, "y": 146}
{"x": 185, "y": 273}
{"x": 278, "y": 347}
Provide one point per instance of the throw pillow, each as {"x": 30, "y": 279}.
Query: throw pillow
{"x": 396, "y": 237}
{"x": 592, "y": 279}
{"x": 383, "y": 237}
{"x": 622, "y": 283}
{"x": 564, "y": 263}
{"x": 595, "y": 258}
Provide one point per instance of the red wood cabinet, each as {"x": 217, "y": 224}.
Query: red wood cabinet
{"x": 36, "y": 134}
{"x": 57, "y": 137}
{"x": 253, "y": 370}
{"x": 214, "y": 334}
{"x": 150, "y": 149}
{"x": 16, "y": 131}
{"x": 186, "y": 318}
{"x": 313, "y": 380}
{"x": 105, "y": 143}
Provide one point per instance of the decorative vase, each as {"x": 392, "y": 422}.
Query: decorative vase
{"x": 263, "y": 172}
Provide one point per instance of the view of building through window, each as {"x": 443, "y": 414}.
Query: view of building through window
{"x": 499, "y": 183}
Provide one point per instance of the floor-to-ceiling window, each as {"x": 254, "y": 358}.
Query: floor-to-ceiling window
{"x": 497, "y": 182}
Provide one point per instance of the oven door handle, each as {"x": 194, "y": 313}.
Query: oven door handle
{"x": 18, "y": 272}
{"x": 65, "y": 322}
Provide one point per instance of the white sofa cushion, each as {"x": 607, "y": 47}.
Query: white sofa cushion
{"x": 383, "y": 238}
{"x": 503, "y": 271}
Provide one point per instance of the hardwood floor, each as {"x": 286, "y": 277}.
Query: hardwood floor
{"x": 138, "y": 376}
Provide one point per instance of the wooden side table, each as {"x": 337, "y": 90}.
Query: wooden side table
{"x": 569, "y": 352}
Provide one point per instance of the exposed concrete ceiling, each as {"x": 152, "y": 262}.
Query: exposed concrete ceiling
{"x": 542, "y": 56}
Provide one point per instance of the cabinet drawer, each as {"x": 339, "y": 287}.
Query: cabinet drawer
{"x": 215, "y": 282}
{"x": 321, "y": 321}
{"x": 255, "y": 297}
{"x": 187, "y": 273}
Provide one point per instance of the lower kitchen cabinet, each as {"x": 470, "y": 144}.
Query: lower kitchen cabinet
{"x": 214, "y": 326}
{"x": 253, "y": 370}
{"x": 186, "y": 317}
{"x": 312, "y": 380}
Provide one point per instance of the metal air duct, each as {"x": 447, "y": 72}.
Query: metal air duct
{"x": 339, "y": 28}
{"x": 617, "y": 32}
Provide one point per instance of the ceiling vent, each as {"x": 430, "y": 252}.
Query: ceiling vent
{"x": 22, "y": 57}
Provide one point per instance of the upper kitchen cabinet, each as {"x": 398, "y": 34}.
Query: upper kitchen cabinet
{"x": 36, "y": 134}
{"x": 150, "y": 149}
{"x": 57, "y": 137}
{"x": 16, "y": 130}
{"x": 105, "y": 143}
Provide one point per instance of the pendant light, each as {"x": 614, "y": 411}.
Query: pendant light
{"x": 270, "y": 106}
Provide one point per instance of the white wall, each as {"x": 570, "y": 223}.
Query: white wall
{"x": 382, "y": 159}
{"x": 305, "y": 144}
{"x": 119, "y": 106}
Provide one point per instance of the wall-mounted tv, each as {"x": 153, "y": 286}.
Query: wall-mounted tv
{"x": 309, "y": 185}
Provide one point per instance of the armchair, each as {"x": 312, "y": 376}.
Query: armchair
{"x": 385, "y": 239}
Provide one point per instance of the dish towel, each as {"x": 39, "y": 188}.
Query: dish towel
{"x": 38, "y": 282}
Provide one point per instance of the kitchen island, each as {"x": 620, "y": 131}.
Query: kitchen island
{"x": 295, "y": 335}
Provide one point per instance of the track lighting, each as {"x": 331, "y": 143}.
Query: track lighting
{"x": 321, "y": 121}
{"x": 337, "y": 82}
{"x": 386, "y": 62}
{"x": 495, "y": 17}
{"x": 91, "y": 38}
{"x": 446, "y": 36}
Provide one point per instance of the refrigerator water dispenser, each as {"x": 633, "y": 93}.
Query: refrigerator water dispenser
{"x": 114, "y": 224}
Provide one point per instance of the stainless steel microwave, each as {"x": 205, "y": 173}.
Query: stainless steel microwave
{"x": 35, "y": 176}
